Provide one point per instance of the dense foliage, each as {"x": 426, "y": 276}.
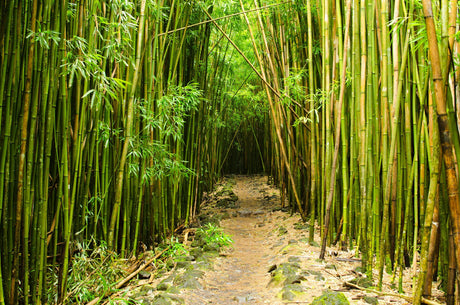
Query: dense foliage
{"x": 116, "y": 115}
{"x": 107, "y": 132}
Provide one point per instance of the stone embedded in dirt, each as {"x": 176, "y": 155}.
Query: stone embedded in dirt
{"x": 371, "y": 300}
{"x": 166, "y": 299}
{"x": 282, "y": 230}
{"x": 203, "y": 265}
{"x": 212, "y": 219}
{"x": 189, "y": 279}
{"x": 291, "y": 291}
{"x": 330, "y": 298}
{"x": 184, "y": 258}
{"x": 160, "y": 273}
{"x": 143, "y": 291}
{"x": 147, "y": 288}
{"x": 207, "y": 257}
{"x": 294, "y": 259}
{"x": 173, "y": 290}
{"x": 224, "y": 192}
{"x": 292, "y": 241}
{"x": 364, "y": 282}
{"x": 282, "y": 209}
{"x": 195, "y": 273}
{"x": 304, "y": 240}
{"x": 294, "y": 279}
{"x": 272, "y": 268}
{"x": 305, "y": 274}
{"x": 244, "y": 299}
{"x": 163, "y": 286}
{"x": 293, "y": 249}
{"x": 183, "y": 264}
{"x": 319, "y": 278}
{"x": 331, "y": 267}
{"x": 166, "y": 283}
{"x": 279, "y": 243}
{"x": 227, "y": 203}
{"x": 318, "y": 275}
{"x": 240, "y": 299}
{"x": 283, "y": 274}
{"x": 144, "y": 301}
{"x": 144, "y": 274}
{"x": 190, "y": 283}
{"x": 245, "y": 213}
{"x": 301, "y": 226}
{"x": 270, "y": 197}
{"x": 226, "y": 198}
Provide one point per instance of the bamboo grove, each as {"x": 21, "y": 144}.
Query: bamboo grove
{"x": 106, "y": 132}
{"x": 363, "y": 98}
{"x": 115, "y": 116}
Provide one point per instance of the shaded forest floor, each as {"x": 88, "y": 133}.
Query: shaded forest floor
{"x": 269, "y": 262}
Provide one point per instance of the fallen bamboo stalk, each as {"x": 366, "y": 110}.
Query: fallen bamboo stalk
{"x": 129, "y": 277}
{"x": 398, "y": 295}
{"x": 402, "y": 296}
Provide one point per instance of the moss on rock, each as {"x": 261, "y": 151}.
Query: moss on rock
{"x": 330, "y": 298}
{"x": 283, "y": 273}
{"x": 282, "y": 230}
{"x": 371, "y": 300}
{"x": 291, "y": 292}
{"x": 362, "y": 281}
{"x": 189, "y": 279}
{"x": 167, "y": 299}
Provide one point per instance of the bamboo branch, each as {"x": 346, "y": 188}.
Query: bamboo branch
{"x": 220, "y": 18}
{"x": 262, "y": 78}
{"x": 129, "y": 277}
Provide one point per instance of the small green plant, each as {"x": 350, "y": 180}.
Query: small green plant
{"x": 213, "y": 234}
{"x": 94, "y": 272}
{"x": 176, "y": 248}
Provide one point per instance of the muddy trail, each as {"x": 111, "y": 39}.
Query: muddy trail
{"x": 270, "y": 261}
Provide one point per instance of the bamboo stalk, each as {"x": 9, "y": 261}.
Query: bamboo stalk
{"x": 128, "y": 131}
{"x": 337, "y": 135}
{"x": 446, "y": 141}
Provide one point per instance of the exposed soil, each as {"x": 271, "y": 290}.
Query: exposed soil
{"x": 271, "y": 260}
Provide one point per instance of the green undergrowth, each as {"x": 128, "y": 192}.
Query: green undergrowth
{"x": 176, "y": 248}
{"x": 213, "y": 234}
{"x": 95, "y": 270}
{"x": 94, "y": 273}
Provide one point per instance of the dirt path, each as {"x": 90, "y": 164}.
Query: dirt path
{"x": 241, "y": 276}
{"x": 271, "y": 261}
{"x": 265, "y": 237}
